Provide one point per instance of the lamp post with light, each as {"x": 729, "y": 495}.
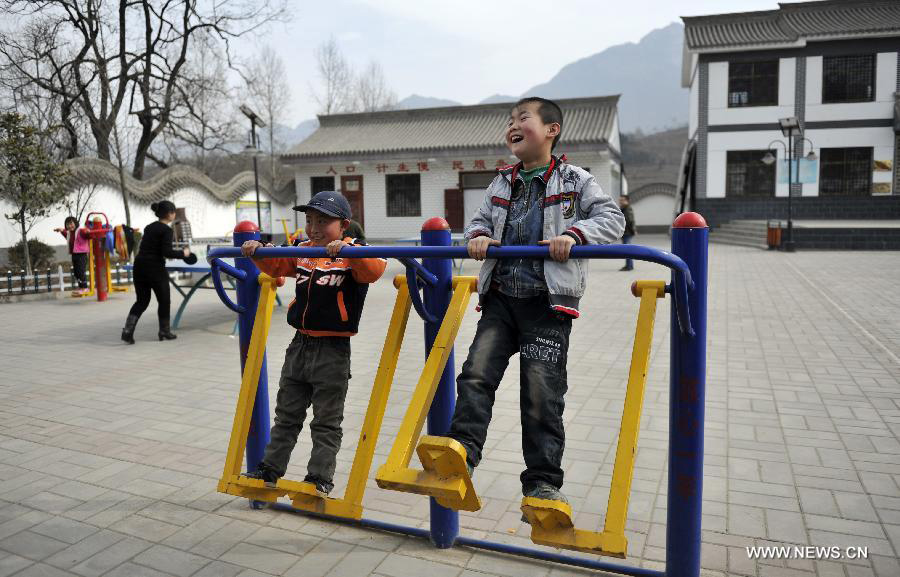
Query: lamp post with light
{"x": 789, "y": 126}
{"x": 253, "y": 147}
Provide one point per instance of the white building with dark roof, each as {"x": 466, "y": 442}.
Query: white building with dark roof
{"x": 401, "y": 167}
{"x": 833, "y": 65}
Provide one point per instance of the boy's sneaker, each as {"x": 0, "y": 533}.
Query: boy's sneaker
{"x": 544, "y": 490}
{"x": 265, "y": 473}
{"x": 322, "y": 487}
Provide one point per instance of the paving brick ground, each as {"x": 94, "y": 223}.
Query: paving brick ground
{"x": 109, "y": 454}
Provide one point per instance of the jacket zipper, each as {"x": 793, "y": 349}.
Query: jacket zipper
{"x": 312, "y": 277}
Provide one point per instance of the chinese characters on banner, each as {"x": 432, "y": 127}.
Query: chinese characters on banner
{"x": 420, "y": 166}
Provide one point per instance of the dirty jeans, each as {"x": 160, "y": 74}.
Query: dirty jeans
{"x": 540, "y": 335}
{"x": 316, "y": 371}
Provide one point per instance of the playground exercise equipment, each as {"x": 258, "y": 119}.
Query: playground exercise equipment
{"x": 443, "y": 475}
{"x": 100, "y": 247}
{"x": 288, "y": 235}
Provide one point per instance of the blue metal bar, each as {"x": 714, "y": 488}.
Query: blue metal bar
{"x": 420, "y": 271}
{"x": 444, "y": 521}
{"x": 248, "y": 298}
{"x": 239, "y": 273}
{"x": 606, "y": 251}
{"x": 682, "y": 284}
{"x": 220, "y": 290}
{"x": 413, "y": 286}
{"x": 687, "y": 386}
{"x": 482, "y": 544}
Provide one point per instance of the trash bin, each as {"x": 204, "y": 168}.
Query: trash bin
{"x": 773, "y": 234}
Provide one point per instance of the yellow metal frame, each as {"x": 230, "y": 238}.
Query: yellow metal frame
{"x": 109, "y": 284}
{"x": 302, "y": 494}
{"x": 551, "y": 521}
{"x": 444, "y": 475}
{"x": 287, "y": 234}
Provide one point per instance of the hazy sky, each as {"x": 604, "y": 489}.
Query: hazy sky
{"x": 467, "y": 50}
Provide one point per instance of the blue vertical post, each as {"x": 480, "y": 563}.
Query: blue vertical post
{"x": 436, "y": 232}
{"x": 248, "y": 297}
{"x": 687, "y": 386}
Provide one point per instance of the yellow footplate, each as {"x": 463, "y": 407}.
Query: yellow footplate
{"x": 444, "y": 477}
{"x": 302, "y": 495}
{"x": 551, "y": 524}
{"x": 547, "y": 514}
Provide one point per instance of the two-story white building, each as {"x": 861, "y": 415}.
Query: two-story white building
{"x": 831, "y": 64}
{"x": 400, "y": 167}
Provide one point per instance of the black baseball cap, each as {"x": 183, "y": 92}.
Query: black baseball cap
{"x": 328, "y": 202}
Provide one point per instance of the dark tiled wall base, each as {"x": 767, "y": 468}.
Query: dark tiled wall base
{"x": 847, "y": 238}
{"x": 718, "y": 211}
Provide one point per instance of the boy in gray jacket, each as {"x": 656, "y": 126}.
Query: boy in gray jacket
{"x": 528, "y": 304}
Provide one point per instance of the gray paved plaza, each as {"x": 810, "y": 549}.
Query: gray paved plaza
{"x": 109, "y": 454}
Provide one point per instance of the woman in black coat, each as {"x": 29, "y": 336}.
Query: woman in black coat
{"x": 150, "y": 271}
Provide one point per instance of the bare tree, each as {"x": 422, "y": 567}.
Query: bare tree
{"x": 371, "y": 92}
{"x": 77, "y": 200}
{"x": 202, "y": 121}
{"x": 269, "y": 93}
{"x": 336, "y": 78}
{"x": 57, "y": 46}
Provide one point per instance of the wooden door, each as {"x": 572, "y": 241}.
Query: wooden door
{"x": 352, "y": 189}
{"x": 453, "y": 209}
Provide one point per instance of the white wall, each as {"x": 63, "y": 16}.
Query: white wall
{"x": 653, "y": 210}
{"x": 209, "y": 217}
{"x": 880, "y": 139}
{"x": 721, "y": 142}
{"x": 881, "y": 107}
{"x": 719, "y": 113}
{"x": 440, "y": 176}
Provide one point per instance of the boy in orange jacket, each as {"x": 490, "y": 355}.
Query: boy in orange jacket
{"x": 326, "y": 311}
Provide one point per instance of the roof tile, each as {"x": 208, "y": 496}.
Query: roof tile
{"x": 457, "y": 127}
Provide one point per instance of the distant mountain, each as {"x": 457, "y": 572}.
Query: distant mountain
{"x": 650, "y": 158}
{"x": 499, "y": 98}
{"x": 416, "y": 101}
{"x": 646, "y": 74}
{"x": 288, "y": 137}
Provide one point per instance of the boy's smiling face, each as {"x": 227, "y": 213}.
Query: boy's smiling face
{"x": 322, "y": 228}
{"x": 527, "y": 136}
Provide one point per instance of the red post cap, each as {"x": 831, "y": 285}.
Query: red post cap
{"x": 246, "y": 226}
{"x": 689, "y": 220}
{"x": 436, "y": 223}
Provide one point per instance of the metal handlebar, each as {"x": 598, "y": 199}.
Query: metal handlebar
{"x": 414, "y": 273}
{"x": 682, "y": 282}
{"x": 217, "y": 265}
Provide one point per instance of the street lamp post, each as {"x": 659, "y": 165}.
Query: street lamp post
{"x": 254, "y": 144}
{"x": 788, "y": 127}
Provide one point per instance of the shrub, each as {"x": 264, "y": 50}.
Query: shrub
{"x": 42, "y": 255}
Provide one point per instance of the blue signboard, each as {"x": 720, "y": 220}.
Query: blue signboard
{"x": 806, "y": 173}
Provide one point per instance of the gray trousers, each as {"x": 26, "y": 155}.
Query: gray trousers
{"x": 316, "y": 371}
